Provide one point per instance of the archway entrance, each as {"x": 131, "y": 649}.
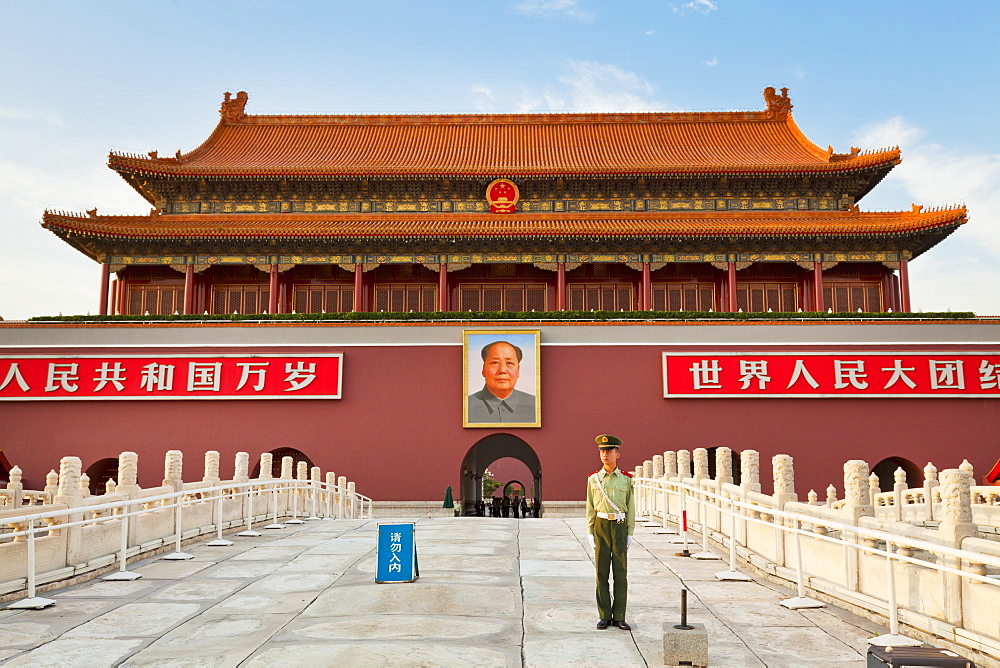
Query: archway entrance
{"x": 277, "y": 455}
{"x": 488, "y": 450}
{"x": 886, "y": 471}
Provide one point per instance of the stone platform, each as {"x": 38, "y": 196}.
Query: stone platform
{"x": 492, "y": 592}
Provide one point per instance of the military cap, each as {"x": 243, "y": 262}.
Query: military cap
{"x": 607, "y": 442}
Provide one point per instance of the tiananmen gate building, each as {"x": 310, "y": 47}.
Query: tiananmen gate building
{"x": 578, "y": 216}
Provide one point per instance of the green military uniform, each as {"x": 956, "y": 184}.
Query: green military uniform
{"x": 611, "y": 535}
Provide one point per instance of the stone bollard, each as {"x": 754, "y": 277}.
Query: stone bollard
{"x": 683, "y": 464}
{"x": 700, "y": 465}
{"x": 16, "y": 487}
{"x": 930, "y": 482}
{"x": 241, "y": 471}
{"x": 724, "y": 466}
{"x": 657, "y": 466}
{"x": 669, "y": 464}
{"x": 750, "y": 471}
{"x": 173, "y": 467}
{"x": 211, "y": 468}
{"x": 685, "y": 644}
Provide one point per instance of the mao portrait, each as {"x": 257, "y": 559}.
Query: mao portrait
{"x": 502, "y": 379}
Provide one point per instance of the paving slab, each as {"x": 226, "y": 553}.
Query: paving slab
{"x": 492, "y": 592}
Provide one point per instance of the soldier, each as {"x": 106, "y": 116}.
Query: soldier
{"x": 610, "y": 525}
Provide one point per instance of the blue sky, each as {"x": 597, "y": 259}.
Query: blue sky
{"x": 79, "y": 78}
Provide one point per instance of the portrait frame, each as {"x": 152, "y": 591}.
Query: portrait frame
{"x": 479, "y": 408}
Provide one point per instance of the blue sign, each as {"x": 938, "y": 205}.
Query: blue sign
{"x": 396, "y": 554}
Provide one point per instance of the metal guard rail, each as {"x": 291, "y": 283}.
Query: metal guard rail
{"x": 216, "y": 494}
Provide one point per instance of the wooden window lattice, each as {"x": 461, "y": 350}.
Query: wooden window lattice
{"x": 323, "y": 298}
{"x": 243, "y": 299}
{"x": 602, "y": 297}
{"x": 404, "y": 297}
{"x": 155, "y": 300}
{"x": 845, "y": 297}
{"x": 761, "y": 297}
{"x": 683, "y": 296}
{"x": 501, "y": 297}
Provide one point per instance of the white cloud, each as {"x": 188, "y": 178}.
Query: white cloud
{"x": 15, "y": 113}
{"x": 954, "y": 274}
{"x": 713, "y": 62}
{"x": 700, "y": 6}
{"x": 650, "y": 32}
{"x": 551, "y": 8}
{"x": 584, "y": 86}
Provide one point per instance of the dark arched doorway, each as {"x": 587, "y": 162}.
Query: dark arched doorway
{"x": 100, "y": 472}
{"x": 277, "y": 455}
{"x": 712, "y": 464}
{"x": 486, "y": 451}
{"x": 886, "y": 470}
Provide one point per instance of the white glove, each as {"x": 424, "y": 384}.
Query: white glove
{"x": 628, "y": 542}
{"x": 593, "y": 543}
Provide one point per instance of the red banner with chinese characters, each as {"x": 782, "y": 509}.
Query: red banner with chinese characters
{"x": 170, "y": 377}
{"x": 809, "y": 375}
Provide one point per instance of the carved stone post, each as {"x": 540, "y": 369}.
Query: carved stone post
{"x": 831, "y": 496}
{"x": 724, "y": 466}
{"x": 342, "y": 497}
{"x": 51, "y": 485}
{"x": 302, "y": 471}
{"x": 69, "y": 494}
{"x": 669, "y": 464}
{"x": 647, "y": 468}
{"x": 241, "y": 472}
{"x": 211, "y": 467}
{"x": 266, "y": 466}
{"x": 331, "y": 498}
{"x": 657, "y": 466}
{"x": 956, "y": 525}
{"x": 874, "y": 489}
{"x": 750, "y": 471}
{"x": 898, "y": 487}
{"x": 930, "y": 482}
{"x": 784, "y": 480}
{"x": 858, "y": 500}
{"x": 128, "y": 475}
{"x": 16, "y": 487}
{"x": 683, "y": 464}
{"x": 173, "y": 467}
{"x": 352, "y": 501}
{"x": 700, "y": 465}
{"x": 109, "y": 487}
{"x": 84, "y": 485}
{"x": 287, "y": 466}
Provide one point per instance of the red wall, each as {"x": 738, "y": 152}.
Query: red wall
{"x": 397, "y": 432}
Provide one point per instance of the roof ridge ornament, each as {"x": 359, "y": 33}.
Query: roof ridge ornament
{"x": 778, "y": 106}
{"x": 232, "y": 109}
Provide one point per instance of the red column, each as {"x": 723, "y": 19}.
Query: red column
{"x": 647, "y": 288}
{"x": 443, "y": 287}
{"x": 818, "y": 286}
{"x": 359, "y": 286}
{"x": 102, "y": 308}
{"x": 887, "y": 302}
{"x": 114, "y": 296}
{"x": 560, "y": 286}
{"x": 731, "y": 285}
{"x": 189, "y": 289}
{"x": 904, "y": 287}
{"x": 272, "y": 290}
{"x": 122, "y": 297}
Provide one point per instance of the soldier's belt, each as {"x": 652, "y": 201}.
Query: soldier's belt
{"x": 618, "y": 517}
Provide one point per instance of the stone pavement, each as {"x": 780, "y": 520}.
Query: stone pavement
{"x": 492, "y": 592}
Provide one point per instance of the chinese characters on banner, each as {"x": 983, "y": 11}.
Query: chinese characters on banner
{"x": 831, "y": 375}
{"x": 171, "y": 377}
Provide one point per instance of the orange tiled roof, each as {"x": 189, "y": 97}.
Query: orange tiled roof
{"x": 587, "y": 224}
{"x": 510, "y": 145}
